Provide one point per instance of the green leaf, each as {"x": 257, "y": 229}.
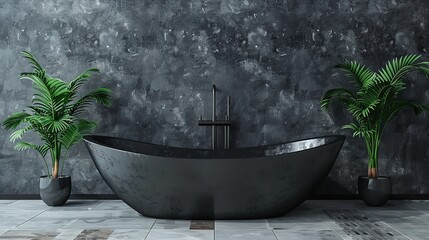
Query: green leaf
{"x": 43, "y": 99}
{"x": 86, "y": 127}
{"x": 43, "y": 150}
{"x": 57, "y": 125}
{"x": 399, "y": 105}
{"x": 363, "y": 76}
{"x": 70, "y": 136}
{"x": 359, "y": 131}
{"x": 74, "y": 85}
{"x": 395, "y": 69}
{"x": 101, "y": 95}
{"x": 368, "y": 101}
{"x": 18, "y": 133}
{"x": 14, "y": 120}
{"x": 32, "y": 60}
{"x": 57, "y": 87}
{"x": 337, "y": 94}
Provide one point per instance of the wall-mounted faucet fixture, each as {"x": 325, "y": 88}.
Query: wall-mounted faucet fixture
{"x": 215, "y": 123}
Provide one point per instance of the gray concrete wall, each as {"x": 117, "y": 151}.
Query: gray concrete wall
{"x": 160, "y": 58}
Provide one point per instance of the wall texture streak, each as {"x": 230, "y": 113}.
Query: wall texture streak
{"x": 274, "y": 58}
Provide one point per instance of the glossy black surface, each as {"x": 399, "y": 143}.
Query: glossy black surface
{"x": 55, "y": 192}
{"x": 374, "y": 192}
{"x": 168, "y": 182}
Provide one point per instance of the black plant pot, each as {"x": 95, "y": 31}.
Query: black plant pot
{"x": 374, "y": 192}
{"x": 55, "y": 191}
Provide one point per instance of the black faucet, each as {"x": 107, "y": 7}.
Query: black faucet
{"x": 215, "y": 123}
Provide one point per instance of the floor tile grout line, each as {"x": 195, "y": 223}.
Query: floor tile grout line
{"x": 424, "y": 213}
{"x": 46, "y": 211}
{"x": 13, "y": 201}
{"x": 275, "y": 235}
{"x": 32, "y": 218}
{"x": 96, "y": 205}
{"x": 150, "y": 230}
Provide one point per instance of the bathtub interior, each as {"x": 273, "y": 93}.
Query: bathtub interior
{"x": 175, "y": 152}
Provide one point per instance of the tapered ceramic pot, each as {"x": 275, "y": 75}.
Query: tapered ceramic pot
{"x": 55, "y": 191}
{"x": 374, "y": 192}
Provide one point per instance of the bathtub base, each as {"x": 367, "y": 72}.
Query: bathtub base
{"x": 210, "y": 214}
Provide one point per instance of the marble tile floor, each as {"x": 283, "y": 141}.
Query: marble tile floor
{"x": 113, "y": 219}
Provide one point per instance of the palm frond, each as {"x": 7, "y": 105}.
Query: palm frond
{"x": 423, "y": 67}
{"x": 38, "y": 111}
{"x": 337, "y": 94}
{"x": 362, "y": 75}
{"x": 43, "y": 150}
{"x": 86, "y": 127}
{"x": 359, "y": 131}
{"x": 38, "y": 73}
{"x": 356, "y": 110}
{"x": 399, "y": 105}
{"x": 32, "y": 60}
{"x": 14, "y": 120}
{"x": 74, "y": 85}
{"x": 70, "y": 136}
{"x": 100, "y": 95}
{"x": 396, "y": 68}
{"x": 74, "y": 132}
{"x": 57, "y": 125}
{"x": 51, "y": 94}
{"x": 43, "y": 98}
{"x": 57, "y": 87}
{"x": 368, "y": 99}
{"x": 18, "y": 133}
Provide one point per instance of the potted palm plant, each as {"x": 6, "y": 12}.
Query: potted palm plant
{"x": 55, "y": 116}
{"x": 373, "y": 103}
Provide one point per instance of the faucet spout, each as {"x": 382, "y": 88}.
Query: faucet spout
{"x": 214, "y": 123}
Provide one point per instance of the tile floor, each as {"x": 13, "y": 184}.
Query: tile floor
{"x": 112, "y": 219}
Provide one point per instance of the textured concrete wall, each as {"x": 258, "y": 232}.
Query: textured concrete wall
{"x": 160, "y": 58}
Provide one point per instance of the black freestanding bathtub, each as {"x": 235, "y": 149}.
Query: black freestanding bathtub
{"x": 169, "y": 182}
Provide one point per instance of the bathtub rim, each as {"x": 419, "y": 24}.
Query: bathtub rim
{"x": 91, "y": 139}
